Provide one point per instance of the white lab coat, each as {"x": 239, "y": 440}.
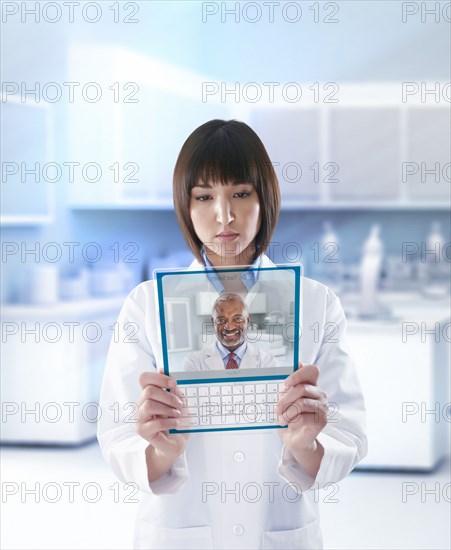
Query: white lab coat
{"x": 231, "y": 490}
{"x": 209, "y": 358}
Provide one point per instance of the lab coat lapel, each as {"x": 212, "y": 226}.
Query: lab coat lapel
{"x": 212, "y": 358}
{"x": 250, "y": 358}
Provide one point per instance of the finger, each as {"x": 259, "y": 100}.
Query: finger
{"x": 179, "y": 392}
{"x": 288, "y": 413}
{"x": 157, "y": 379}
{"x": 298, "y": 392}
{"x": 154, "y": 393}
{"x": 151, "y": 428}
{"x": 301, "y": 390}
{"x": 149, "y": 409}
{"x": 305, "y": 414}
{"x": 293, "y": 408}
{"x": 307, "y": 374}
{"x": 302, "y": 405}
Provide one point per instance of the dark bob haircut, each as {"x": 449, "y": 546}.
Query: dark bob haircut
{"x": 225, "y": 151}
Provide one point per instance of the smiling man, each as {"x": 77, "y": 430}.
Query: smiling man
{"x": 230, "y": 318}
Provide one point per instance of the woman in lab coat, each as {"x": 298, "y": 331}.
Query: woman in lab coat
{"x": 226, "y": 490}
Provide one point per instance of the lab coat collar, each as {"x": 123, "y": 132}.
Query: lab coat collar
{"x": 265, "y": 262}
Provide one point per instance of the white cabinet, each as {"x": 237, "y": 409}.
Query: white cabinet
{"x": 429, "y": 153}
{"x": 402, "y": 380}
{"x": 292, "y": 138}
{"x": 52, "y": 366}
{"x": 369, "y": 149}
{"x": 29, "y": 170}
{"x": 365, "y": 142}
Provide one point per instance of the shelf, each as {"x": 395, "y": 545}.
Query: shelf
{"x": 22, "y": 221}
{"x": 81, "y": 309}
{"x": 287, "y": 207}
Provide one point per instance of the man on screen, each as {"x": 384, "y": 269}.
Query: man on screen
{"x": 230, "y": 319}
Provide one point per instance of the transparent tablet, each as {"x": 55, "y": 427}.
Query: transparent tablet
{"x": 229, "y": 337}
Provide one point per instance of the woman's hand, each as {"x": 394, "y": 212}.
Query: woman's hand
{"x": 303, "y": 406}
{"x": 158, "y": 411}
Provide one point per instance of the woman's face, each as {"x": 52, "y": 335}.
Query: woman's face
{"x": 226, "y": 219}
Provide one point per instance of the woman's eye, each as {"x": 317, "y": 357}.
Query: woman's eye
{"x": 242, "y": 195}
{"x": 202, "y": 198}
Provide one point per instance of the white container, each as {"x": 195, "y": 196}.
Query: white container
{"x": 44, "y": 285}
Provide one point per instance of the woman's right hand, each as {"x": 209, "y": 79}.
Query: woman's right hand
{"x": 158, "y": 411}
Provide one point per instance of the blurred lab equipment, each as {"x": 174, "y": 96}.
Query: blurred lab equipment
{"x": 436, "y": 272}
{"x": 105, "y": 282}
{"x": 43, "y": 285}
{"x": 370, "y": 272}
{"x": 327, "y": 268}
{"x": 75, "y": 287}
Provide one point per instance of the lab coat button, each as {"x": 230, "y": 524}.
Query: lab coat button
{"x": 238, "y": 456}
{"x": 238, "y": 529}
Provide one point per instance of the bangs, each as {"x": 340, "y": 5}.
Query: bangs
{"x": 221, "y": 159}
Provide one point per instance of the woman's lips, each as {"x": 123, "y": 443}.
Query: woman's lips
{"x": 227, "y": 237}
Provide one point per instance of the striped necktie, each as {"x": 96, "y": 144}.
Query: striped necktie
{"x": 231, "y": 363}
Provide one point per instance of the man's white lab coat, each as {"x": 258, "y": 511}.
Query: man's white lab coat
{"x": 209, "y": 358}
{"x": 234, "y": 489}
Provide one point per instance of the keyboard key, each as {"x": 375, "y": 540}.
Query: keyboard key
{"x": 238, "y": 399}
{"x": 272, "y": 388}
{"x": 215, "y": 390}
{"x": 226, "y": 400}
{"x": 211, "y": 410}
{"x": 204, "y": 419}
{"x": 192, "y": 402}
{"x": 203, "y": 391}
{"x": 271, "y": 398}
{"x": 226, "y": 390}
{"x": 191, "y": 391}
{"x": 230, "y": 419}
{"x": 261, "y": 398}
{"x": 237, "y": 390}
{"x": 271, "y": 413}
{"x": 215, "y": 401}
{"x": 249, "y": 398}
{"x": 249, "y": 389}
{"x": 192, "y": 411}
{"x": 260, "y": 388}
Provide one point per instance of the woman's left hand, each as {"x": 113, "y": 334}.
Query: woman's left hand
{"x": 303, "y": 406}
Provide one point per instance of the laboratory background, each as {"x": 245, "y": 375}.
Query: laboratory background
{"x": 352, "y": 101}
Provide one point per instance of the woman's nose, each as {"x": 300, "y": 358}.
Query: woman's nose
{"x": 224, "y": 214}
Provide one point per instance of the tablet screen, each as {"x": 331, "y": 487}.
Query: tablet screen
{"x": 232, "y": 323}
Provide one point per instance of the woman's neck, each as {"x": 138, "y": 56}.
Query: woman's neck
{"x": 245, "y": 259}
